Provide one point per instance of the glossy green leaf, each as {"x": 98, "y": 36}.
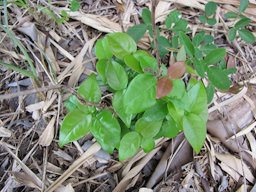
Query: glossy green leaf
{"x": 185, "y": 40}
{"x": 73, "y": 103}
{"x": 106, "y": 130}
{"x": 90, "y": 90}
{"x": 176, "y": 113}
{"x": 210, "y": 92}
{"x": 147, "y": 144}
{"x": 156, "y": 112}
{"x": 230, "y": 15}
{"x": 232, "y": 34}
{"x": 148, "y": 128}
{"x": 102, "y": 50}
{"x": 137, "y": 31}
{"x": 210, "y": 8}
{"x": 208, "y": 39}
{"x": 178, "y": 89}
{"x": 242, "y": 22}
{"x": 101, "y": 66}
{"x": 215, "y": 56}
{"x": 195, "y": 131}
{"x": 219, "y": 78}
{"x": 246, "y": 35}
{"x": 133, "y": 63}
{"x": 243, "y": 5}
{"x": 75, "y": 125}
{"x": 140, "y": 94}
{"x": 147, "y": 62}
{"x": 198, "y": 98}
{"x": 116, "y": 76}
{"x": 146, "y": 16}
{"x": 169, "y": 129}
{"x": 129, "y": 145}
{"x": 118, "y": 105}
{"x": 121, "y": 44}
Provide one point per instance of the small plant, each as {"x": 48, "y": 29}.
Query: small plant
{"x": 147, "y": 100}
{"x": 240, "y": 26}
{"x": 210, "y": 11}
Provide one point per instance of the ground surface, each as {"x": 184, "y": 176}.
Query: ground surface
{"x": 30, "y": 159}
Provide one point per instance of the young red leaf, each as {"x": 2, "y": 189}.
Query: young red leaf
{"x": 164, "y": 86}
{"x": 176, "y": 70}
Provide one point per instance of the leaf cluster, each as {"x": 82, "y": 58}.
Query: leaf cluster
{"x": 146, "y": 105}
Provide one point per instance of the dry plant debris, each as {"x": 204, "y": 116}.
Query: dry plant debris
{"x": 63, "y": 55}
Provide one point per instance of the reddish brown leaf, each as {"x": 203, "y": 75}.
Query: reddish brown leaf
{"x": 176, "y": 70}
{"x": 164, "y": 87}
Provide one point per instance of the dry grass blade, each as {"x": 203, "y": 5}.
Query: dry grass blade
{"x": 75, "y": 165}
{"x": 34, "y": 178}
{"x": 47, "y": 136}
{"x": 98, "y": 22}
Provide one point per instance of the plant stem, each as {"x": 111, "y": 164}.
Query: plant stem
{"x": 153, "y": 18}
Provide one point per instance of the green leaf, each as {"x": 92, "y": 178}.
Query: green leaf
{"x": 181, "y": 25}
{"x": 163, "y": 45}
{"x": 102, "y": 50}
{"x": 208, "y": 39}
{"x": 148, "y": 128}
{"x": 232, "y": 34}
{"x": 203, "y": 19}
{"x": 118, "y": 105}
{"x": 185, "y": 40}
{"x": 210, "y": 92}
{"x": 176, "y": 113}
{"x": 243, "y": 5}
{"x": 230, "y": 15}
{"x": 129, "y": 145}
{"x": 200, "y": 67}
{"x": 178, "y": 89}
{"x": 121, "y": 44}
{"x": 74, "y": 5}
{"x": 90, "y": 90}
{"x": 146, "y": 16}
{"x": 198, "y": 98}
{"x": 116, "y": 76}
{"x": 211, "y": 21}
{"x": 137, "y": 31}
{"x": 198, "y": 38}
{"x": 172, "y": 18}
{"x": 246, "y": 35}
{"x": 106, "y": 130}
{"x": 169, "y": 129}
{"x": 147, "y": 62}
{"x": 195, "y": 131}
{"x": 147, "y": 144}
{"x": 181, "y": 55}
{"x": 75, "y": 125}
{"x": 73, "y": 103}
{"x": 219, "y": 78}
{"x": 210, "y": 8}
{"x": 242, "y": 23}
{"x": 133, "y": 63}
{"x": 140, "y": 94}
{"x": 101, "y": 66}
{"x": 215, "y": 56}
{"x": 156, "y": 112}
